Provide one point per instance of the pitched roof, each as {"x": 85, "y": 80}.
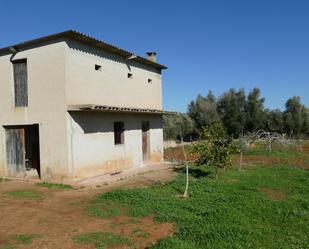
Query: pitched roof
{"x": 75, "y": 35}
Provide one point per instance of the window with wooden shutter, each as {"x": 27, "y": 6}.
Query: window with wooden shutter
{"x": 20, "y": 83}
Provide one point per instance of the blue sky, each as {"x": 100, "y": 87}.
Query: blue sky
{"x": 207, "y": 45}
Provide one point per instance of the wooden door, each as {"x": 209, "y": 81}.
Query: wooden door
{"x": 15, "y": 151}
{"x": 145, "y": 139}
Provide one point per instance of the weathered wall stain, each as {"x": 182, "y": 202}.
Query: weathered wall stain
{"x": 156, "y": 157}
{"x": 109, "y": 167}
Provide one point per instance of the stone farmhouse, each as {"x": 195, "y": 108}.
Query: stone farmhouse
{"x": 72, "y": 107}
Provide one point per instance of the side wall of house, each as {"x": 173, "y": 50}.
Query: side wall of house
{"x": 46, "y": 105}
{"x": 110, "y": 84}
{"x": 92, "y": 142}
{"x": 2, "y": 151}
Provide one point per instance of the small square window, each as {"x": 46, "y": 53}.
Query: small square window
{"x": 149, "y": 81}
{"x": 119, "y": 132}
{"x": 130, "y": 76}
{"x": 98, "y": 67}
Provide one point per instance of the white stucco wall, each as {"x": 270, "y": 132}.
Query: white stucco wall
{"x": 2, "y": 152}
{"x": 62, "y": 73}
{"x": 46, "y": 105}
{"x": 110, "y": 86}
{"x": 93, "y": 148}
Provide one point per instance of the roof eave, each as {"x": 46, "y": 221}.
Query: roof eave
{"x": 106, "y": 108}
{"x": 87, "y": 39}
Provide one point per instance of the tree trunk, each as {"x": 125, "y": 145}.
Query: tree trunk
{"x": 216, "y": 172}
{"x": 242, "y": 145}
{"x": 240, "y": 161}
{"x": 269, "y": 142}
{"x": 185, "y": 194}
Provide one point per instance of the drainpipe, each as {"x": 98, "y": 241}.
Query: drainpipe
{"x": 14, "y": 52}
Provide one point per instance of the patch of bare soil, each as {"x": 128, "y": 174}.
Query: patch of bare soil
{"x": 274, "y": 194}
{"x": 60, "y": 215}
{"x": 137, "y": 177}
{"x": 176, "y": 154}
{"x": 294, "y": 162}
{"x": 304, "y": 148}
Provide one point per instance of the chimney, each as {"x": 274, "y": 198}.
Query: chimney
{"x": 152, "y": 56}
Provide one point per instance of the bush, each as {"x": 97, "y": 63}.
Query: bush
{"x": 216, "y": 148}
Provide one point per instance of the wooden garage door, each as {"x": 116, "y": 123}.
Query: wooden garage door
{"x": 15, "y": 151}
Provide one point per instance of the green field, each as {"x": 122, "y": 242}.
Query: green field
{"x": 258, "y": 207}
{"x": 265, "y": 205}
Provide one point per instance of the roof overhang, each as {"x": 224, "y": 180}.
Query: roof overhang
{"x": 84, "y": 39}
{"x": 106, "y": 108}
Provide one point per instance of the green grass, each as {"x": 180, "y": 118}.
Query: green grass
{"x": 6, "y": 246}
{"x": 54, "y": 185}
{"x": 102, "y": 240}
{"x": 276, "y": 153}
{"x": 25, "y": 194}
{"x": 140, "y": 233}
{"x": 230, "y": 212}
{"x": 2, "y": 179}
{"x": 24, "y": 238}
{"x": 17, "y": 239}
{"x": 104, "y": 210}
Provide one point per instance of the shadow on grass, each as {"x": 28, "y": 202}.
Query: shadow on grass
{"x": 195, "y": 172}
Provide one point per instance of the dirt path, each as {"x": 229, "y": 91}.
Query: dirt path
{"x": 59, "y": 215}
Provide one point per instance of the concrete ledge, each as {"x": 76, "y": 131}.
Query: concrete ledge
{"x": 127, "y": 173}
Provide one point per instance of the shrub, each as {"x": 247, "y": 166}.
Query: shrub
{"x": 216, "y": 148}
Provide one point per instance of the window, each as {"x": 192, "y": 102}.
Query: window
{"x": 149, "y": 81}
{"x": 130, "y": 76}
{"x": 20, "y": 83}
{"x": 98, "y": 67}
{"x": 119, "y": 132}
